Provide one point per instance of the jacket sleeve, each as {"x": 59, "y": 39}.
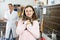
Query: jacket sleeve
{"x": 20, "y": 28}
{"x": 34, "y": 29}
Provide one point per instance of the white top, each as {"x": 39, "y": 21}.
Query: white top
{"x": 11, "y": 22}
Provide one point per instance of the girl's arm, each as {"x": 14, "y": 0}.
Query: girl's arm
{"x": 20, "y": 27}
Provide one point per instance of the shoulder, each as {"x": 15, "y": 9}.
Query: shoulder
{"x": 15, "y": 11}
{"x": 35, "y": 21}
{"x": 6, "y": 13}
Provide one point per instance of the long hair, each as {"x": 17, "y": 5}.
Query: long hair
{"x": 34, "y": 17}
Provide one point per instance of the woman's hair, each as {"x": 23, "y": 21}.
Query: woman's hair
{"x": 34, "y": 17}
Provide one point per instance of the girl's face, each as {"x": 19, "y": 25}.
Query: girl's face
{"x": 29, "y": 12}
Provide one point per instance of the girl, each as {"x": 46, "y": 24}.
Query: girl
{"x": 28, "y": 26}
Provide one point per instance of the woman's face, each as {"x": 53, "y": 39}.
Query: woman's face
{"x": 29, "y": 12}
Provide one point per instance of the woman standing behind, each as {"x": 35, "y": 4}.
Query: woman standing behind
{"x": 28, "y": 26}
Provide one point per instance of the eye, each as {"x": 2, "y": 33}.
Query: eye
{"x": 26, "y": 10}
{"x": 30, "y": 10}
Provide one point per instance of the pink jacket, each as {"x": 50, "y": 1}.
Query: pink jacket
{"x": 32, "y": 32}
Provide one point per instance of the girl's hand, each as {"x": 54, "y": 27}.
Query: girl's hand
{"x": 28, "y": 22}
